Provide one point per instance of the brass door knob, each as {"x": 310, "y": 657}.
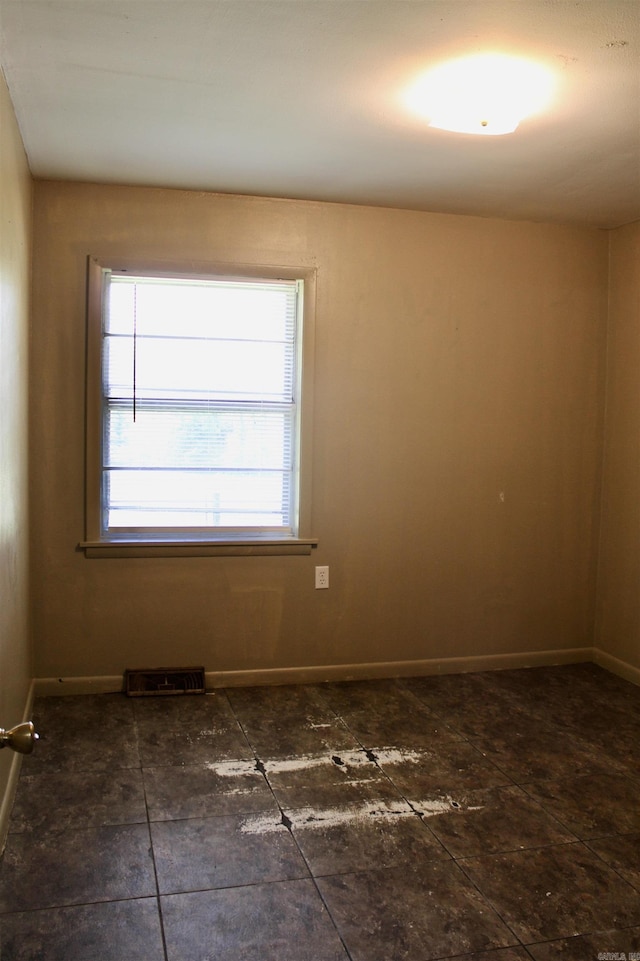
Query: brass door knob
{"x": 21, "y": 738}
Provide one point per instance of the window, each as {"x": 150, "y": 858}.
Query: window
{"x": 195, "y": 410}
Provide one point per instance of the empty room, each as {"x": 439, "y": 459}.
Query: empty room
{"x": 319, "y": 480}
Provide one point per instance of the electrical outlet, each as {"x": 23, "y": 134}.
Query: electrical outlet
{"x": 322, "y": 578}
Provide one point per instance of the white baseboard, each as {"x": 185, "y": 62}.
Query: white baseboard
{"x": 60, "y": 686}
{"x": 107, "y": 684}
{"x": 313, "y": 674}
{"x": 616, "y": 666}
{"x": 8, "y": 796}
{"x": 380, "y": 669}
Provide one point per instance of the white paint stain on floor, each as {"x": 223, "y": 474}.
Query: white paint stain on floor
{"x": 232, "y": 768}
{"x": 369, "y": 812}
{"x": 343, "y": 760}
{"x": 394, "y": 755}
{"x": 347, "y": 762}
{"x": 444, "y": 804}
{"x": 324, "y": 818}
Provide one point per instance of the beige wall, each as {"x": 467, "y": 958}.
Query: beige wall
{"x": 458, "y": 400}
{"x": 618, "y": 620}
{"x": 15, "y": 238}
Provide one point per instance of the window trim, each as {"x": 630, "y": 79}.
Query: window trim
{"x": 98, "y": 544}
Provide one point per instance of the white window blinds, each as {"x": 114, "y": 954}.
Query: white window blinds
{"x": 199, "y": 405}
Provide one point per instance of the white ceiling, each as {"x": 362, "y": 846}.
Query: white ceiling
{"x": 303, "y": 99}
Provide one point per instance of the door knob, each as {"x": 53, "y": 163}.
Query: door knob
{"x": 21, "y": 738}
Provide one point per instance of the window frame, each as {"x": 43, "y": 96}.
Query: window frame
{"x": 98, "y": 543}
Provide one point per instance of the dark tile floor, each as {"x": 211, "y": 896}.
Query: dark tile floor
{"x": 483, "y": 817}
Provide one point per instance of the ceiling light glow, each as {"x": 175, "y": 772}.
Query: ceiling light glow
{"x": 486, "y": 94}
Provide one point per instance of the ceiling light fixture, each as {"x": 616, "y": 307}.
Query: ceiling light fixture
{"x": 489, "y": 93}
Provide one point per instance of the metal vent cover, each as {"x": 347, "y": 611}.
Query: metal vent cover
{"x": 161, "y": 681}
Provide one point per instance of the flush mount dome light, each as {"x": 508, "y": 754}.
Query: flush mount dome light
{"x": 488, "y": 93}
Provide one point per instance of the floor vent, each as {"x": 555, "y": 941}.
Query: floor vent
{"x": 164, "y": 680}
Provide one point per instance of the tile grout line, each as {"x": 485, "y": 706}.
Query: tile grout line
{"x": 151, "y": 847}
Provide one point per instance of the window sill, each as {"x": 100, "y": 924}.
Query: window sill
{"x": 120, "y": 548}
